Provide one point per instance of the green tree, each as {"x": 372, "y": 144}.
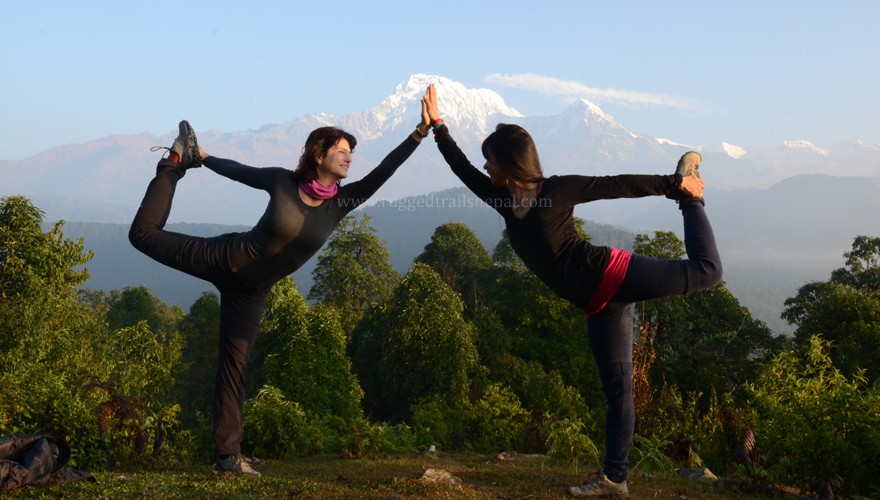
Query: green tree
{"x": 706, "y": 341}
{"x": 200, "y": 330}
{"x": 33, "y": 262}
{"x": 61, "y": 369}
{"x": 539, "y": 325}
{"x": 40, "y": 317}
{"x": 305, "y": 355}
{"x": 845, "y": 310}
{"x": 353, "y": 271}
{"x": 819, "y": 428}
{"x": 414, "y": 346}
{"x": 457, "y": 255}
{"x": 543, "y": 391}
{"x": 135, "y": 304}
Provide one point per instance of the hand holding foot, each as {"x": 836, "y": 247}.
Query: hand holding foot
{"x": 692, "y": 186}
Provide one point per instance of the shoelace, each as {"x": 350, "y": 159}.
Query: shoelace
{"x": 196, "y": 154}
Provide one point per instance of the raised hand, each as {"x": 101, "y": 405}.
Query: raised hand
{"x": 429, "y": 104}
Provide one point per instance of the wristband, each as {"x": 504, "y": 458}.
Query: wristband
{"x": 436, "y": 122}
{"x": 421, "y": 134}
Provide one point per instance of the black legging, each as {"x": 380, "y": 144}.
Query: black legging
{"x": 241, "y": 306}
{"x": 611, "y": 329}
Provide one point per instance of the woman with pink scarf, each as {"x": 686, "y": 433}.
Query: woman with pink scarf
{"x": 305, "y": 206}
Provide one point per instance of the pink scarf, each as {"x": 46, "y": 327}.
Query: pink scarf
{"x": 317, "y": 190}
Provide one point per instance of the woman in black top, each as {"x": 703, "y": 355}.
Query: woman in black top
{"x": 604, "y": 282}
{"x": 304, "y": 207}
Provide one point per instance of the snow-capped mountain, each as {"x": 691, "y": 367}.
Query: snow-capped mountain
{"x": 769, "y": 215}
{"x": 733, "y": 151}
{"x": 807, "y": 145}
{"x": 582, "y": 139}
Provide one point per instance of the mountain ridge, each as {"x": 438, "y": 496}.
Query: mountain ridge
{"x": 773, "y": 221}
{"x": 766, "y": 259}
{"x": 582, "y": 139}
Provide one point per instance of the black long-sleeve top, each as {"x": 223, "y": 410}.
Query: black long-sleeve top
{"x": 290, "y": 231}
{"x": 545, "y": 238}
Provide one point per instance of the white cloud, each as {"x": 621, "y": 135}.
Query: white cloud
{"x": 554, "y": 86}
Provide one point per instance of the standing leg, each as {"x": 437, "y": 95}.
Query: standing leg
{"x": 611, "y": 339}
{"x": 240, "y": 315}
{"x": 611, "y": 329}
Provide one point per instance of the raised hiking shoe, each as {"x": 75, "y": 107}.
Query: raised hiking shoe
{"x": 688, "y": 164}
{"x": 600, "y": 486}
{"x": 186, "y": 147}
{"x": 237, "y": 464}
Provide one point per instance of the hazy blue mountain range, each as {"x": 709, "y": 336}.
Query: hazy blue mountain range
{"x": 784, "y": 213}
{"x": 766, "y": 256}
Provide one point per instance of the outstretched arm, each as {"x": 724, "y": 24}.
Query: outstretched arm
{"x": 359, "y": 191}
{"x": 257, "y": 178}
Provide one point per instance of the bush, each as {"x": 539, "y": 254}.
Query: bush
{"x": 569, "y": 441}
{"x": 497, "y": 421}
{"x": 368, "y": 440}
{"x": 438, "y": 422}
{"x": 278, "y": 428}
{"x": 539, "y": 390}
{"x": 647, "y": 455}
{"x": 819, "y": 429}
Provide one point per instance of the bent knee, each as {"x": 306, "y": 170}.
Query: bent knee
{"x": 703, "y": 276}
{"x": 713, "y": 274}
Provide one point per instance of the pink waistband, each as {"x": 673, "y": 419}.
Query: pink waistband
{"x": 610, "y": 281}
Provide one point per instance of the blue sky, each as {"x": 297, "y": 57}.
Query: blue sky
{"x": 746, "y": 72}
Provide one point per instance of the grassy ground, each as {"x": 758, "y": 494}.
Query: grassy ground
{"x": 482, "y": 476}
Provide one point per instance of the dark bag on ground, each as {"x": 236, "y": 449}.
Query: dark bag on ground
{"x": 35, "y": 459}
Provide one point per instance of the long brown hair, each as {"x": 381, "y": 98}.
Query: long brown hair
{"x": 317, "y": 144}
{"x": 513, "y": 150}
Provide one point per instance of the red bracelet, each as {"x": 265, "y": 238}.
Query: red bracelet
{"x": 436, "y": 122}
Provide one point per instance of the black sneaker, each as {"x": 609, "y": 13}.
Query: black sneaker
{"x": 688, "y": 164}
{"x": 186, "y": 147}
